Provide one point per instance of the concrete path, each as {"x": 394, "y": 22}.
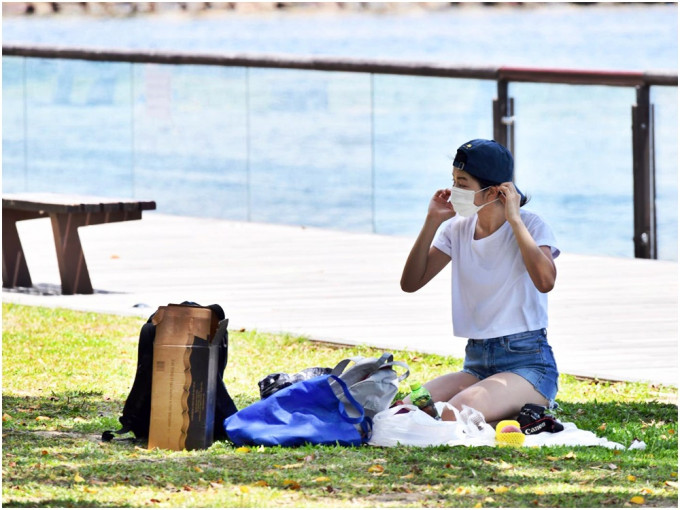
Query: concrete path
{"x": 610, "y": 318}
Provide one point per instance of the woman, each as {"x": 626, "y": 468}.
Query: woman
{"x": 502, "y": 269}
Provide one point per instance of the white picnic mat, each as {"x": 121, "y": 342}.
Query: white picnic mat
{"x": 414, "y": 427}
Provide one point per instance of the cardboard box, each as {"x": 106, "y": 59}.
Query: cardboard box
{"x": 183, "y": 378}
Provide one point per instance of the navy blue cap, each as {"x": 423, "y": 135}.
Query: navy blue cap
{"x": 487, "y": 160}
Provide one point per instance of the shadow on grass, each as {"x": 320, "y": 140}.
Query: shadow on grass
{"x": 618, "y": 421}
{"x": 65, "y": 503}
{"x": 54, "y": 453}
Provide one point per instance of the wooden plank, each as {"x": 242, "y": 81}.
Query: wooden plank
{"x": 71, "y": 203}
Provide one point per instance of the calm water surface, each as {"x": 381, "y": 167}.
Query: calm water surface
{"x": 341, "y": 150}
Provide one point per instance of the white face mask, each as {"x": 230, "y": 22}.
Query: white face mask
{"x": 463, "y": 201}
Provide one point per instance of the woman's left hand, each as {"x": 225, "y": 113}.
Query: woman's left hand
{"x": 510, "y": 199}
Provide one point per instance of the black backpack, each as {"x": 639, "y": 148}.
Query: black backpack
{"x": 137, "y": 410}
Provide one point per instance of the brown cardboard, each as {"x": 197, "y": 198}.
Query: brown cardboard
{"x": 183, "y": 378}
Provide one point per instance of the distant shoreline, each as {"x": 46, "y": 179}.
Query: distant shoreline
{"x": 126, "y": 9}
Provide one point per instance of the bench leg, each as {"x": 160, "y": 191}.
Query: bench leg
{"x": 75, "y": 278}
{"x": 14, "y": 268}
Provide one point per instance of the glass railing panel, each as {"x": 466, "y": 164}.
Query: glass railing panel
{"x": 419, "y": 124}
{"x": 78, "y": 127}
{"x": 190, "y": 140}
{"x": 14, "y": 125}
{"x": 563, "y": 132}
{"x": 665, "y": 100}
{"x": 310, "y": 148}
{"x": 353, "y": 151}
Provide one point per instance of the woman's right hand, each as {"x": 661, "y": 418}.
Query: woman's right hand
{"x": 440, "y": 209}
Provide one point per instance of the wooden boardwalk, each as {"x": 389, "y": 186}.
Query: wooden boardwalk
{"x": 610, "y": 318}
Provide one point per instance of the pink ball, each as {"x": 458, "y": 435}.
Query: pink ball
{"x": 510, "y": 428}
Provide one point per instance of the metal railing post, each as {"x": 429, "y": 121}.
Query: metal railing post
{"x": 644, "y": 187}
{"x": 503, "y": 117}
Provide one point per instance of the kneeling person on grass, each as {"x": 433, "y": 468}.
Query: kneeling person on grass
{"x": 502, "y": 269}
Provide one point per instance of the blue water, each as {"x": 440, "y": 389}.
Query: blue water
{"x": 344, "y": 150}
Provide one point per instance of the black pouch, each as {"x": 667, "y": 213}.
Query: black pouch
{"x": 533, "y": 420}
{"x": 279, "y": 380}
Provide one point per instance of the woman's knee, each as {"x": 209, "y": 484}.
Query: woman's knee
{"x": 445, "y": 387}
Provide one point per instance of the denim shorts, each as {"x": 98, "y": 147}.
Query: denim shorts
{"x": 525, "y": 354}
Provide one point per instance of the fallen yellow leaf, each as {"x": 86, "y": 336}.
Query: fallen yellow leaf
{"x": 321, "y": 479}
{"x": 489, "y": 499}
{"x": 602, "y": 427}
{"x": 290, "y": 466}
{"x": 462, "y": 490}
{"x": 78, "y": 478}
{"x": 291, "y": 484}
{"x": 244, "y": 489}
{"x": 501, "y": 490}
{"x": 376, "y": 468}
{"x": 261, "y": 483}
{"x": 478, "y": 504}
{"x": 631, "y": 478}
{"x": 243, "y": 449}
{"x": 646, "y": 491}
{"x": 6, "y": 417}
{"x": 42, "y": 418}
{"x": 90, "y": 490}
{"x": 198, "y": 469}
{"x": 539, "y": 492}
{"x": 674, "y": 474}
{"x": 551, "y": 458}
{"x": 408, "y": 476}
{"x": 637, "y": 500}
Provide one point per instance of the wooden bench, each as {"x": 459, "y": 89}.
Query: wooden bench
{"x": 67, "y": 212}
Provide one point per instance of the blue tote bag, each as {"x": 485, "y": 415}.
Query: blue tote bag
{"x": 305, "y": 412}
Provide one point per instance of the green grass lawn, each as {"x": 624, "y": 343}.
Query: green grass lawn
{"x": 66, "y": 376}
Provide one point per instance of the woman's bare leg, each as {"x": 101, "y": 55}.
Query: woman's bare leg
{"x": 445, "y": 387}
{"x": 498, "y": 397}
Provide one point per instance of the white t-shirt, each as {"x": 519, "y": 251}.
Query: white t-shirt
{"x": 492, "y": 293}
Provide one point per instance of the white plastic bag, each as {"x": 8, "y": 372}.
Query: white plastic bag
{"x": 412, "y": 428}
{"x": 472, "y": 427}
